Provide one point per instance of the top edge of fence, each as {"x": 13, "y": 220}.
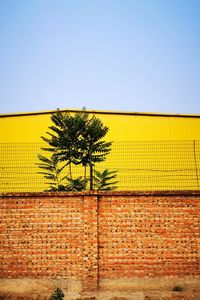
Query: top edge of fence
{"x": 101, "y": 193}
{"x": 114, "y": 142}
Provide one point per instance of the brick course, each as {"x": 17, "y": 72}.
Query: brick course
{"x": 41, "y": 237}
{"x": 94, "y": 236}
{"x": 149, "y": 236}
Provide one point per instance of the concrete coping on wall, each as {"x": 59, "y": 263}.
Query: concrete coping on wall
{"x": 181, "y": 193}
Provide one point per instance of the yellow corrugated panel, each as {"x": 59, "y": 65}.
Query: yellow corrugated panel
{"x": 151, "y": 151}
{"x": 123, "y": 127}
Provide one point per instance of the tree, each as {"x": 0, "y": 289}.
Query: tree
{"x": 52, "y": 172}
{"x": 94, "y": 149}
{"x": 103, "y": 181}
{"x": 65, "y": 137}
{"x": 74, "y": 140}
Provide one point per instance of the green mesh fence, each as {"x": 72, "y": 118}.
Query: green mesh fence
{"x": 140, "y": 165}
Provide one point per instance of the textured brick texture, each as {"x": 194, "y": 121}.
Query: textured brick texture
{"x": 90, "y": 249}
{"x": 149, "y": 235}
{"x": 99, "y": 236}
{"x": 41, "y": 236}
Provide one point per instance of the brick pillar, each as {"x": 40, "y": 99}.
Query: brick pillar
{"x": 90, "y": 250}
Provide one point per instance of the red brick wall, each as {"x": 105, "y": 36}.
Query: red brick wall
{"x": 41, "y": 236}
{"x": 149, "y": 235}
{"x": 91, "y": 236}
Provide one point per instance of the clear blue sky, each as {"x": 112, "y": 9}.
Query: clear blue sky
{"x": 129, "y": 55}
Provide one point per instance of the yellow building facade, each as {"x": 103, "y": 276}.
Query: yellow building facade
{"x": 150, "y": 151}
{"x": 124, "y": 126}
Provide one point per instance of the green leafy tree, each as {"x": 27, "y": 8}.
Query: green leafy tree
{"x": 74, "y": 140}
{"x": 104, "y": 180}
{"x": 64, "y": 138}
{"x": 77, "y": 184}
{"x": 52, "y": 172}
{"x": 94, "y": 149}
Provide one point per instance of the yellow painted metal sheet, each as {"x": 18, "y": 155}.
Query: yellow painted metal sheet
{"x": 150, "y": 152}
{"x": 123, "y": 127}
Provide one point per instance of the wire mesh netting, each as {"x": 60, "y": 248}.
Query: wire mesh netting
{"x": 140, "y": 165}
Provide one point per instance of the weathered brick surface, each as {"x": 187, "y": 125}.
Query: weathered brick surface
{"x": 41, "y": 237}
{"x": 149, "y": 235}
{"x": 90, "y": 250}
{"x": 93, "y": 236}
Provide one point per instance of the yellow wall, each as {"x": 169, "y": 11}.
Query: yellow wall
{"x": 150, "y": 152}
{"x": 123, "y": 127}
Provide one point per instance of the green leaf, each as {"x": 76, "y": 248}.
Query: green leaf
{"x": 73, "y": 140}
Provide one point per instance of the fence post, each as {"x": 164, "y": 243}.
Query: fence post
{"x": 90, "y": 242}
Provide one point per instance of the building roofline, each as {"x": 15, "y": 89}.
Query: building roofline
{"x": 102, "y": 112}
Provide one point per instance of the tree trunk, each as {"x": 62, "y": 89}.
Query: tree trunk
{"x": 85, "y": 173}
{"x": 70, "y": 171}
{"x": 91, "y": 177}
